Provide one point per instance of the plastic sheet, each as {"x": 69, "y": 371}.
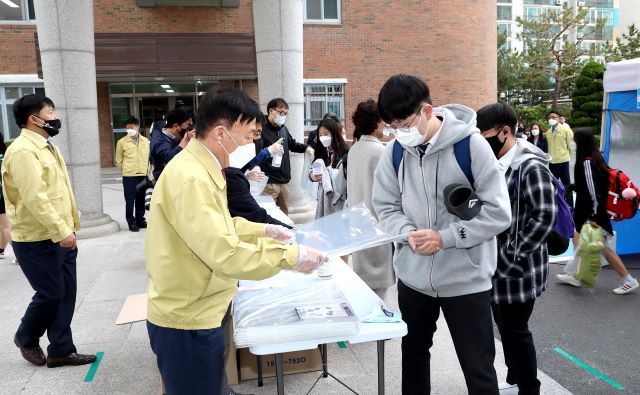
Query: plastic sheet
{"x": 256, "y": 187}
{"x": 310, "y": 187}
{"x": 341, "y": 233}
{"x": 294, "y": 308}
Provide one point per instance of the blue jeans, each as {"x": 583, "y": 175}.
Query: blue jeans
{"x": 190, "y": 361}
{"x": 561, "y": 171}
{"x": 51, "y": 272}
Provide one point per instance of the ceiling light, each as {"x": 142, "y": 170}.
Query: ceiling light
{"x": 169, "y": 90}
{"x": 10, "y": 3}
{"x": 166, "y": 86}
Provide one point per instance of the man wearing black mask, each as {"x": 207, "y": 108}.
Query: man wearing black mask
{"x": 166, "y": 145}
{"x": 44, "y": 217}
{"x": 278, "y": 168}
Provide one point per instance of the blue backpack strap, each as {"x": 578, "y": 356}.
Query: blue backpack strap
{"x": 398, "y": 151}
{"x": 462, "y": 151}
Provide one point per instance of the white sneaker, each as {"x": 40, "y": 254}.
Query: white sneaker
{"x": 568, "y": 279}
{"x": 626, "y": 287}
{"x": 508, "y": 389}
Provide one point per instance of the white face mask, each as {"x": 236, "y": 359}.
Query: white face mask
{"x": 386, "y": 132}
{"x": 131, "y": 132}
{"x": 411, "y": 137}
{"x": 535, "y": 132}
{"x": 280, "y": 119}
{"x": 553, "y": 122}
{"x": 325, "y": 140}
{"x": 242, "y": 155}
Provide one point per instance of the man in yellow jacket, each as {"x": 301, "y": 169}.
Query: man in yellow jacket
{"x": 560, "y": 140}
{"x": 44, "y": 218}
{"x": 132, "y": 158}
{"x": 195, "y": 252}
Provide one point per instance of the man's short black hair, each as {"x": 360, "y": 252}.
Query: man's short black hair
{"x": 29, "y": 105}
{"x": 132, "y": 121}
{"x": 277, "y": 102}
{"x": 554, "y": 112}
{"x": 497, "y": 115}
{"x": 177, "y": 116}
{"x": 225, "y": 107}
{"x": 401, "y": 96}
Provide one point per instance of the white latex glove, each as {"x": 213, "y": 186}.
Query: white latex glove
{"x": 276, "y": 148}
{"x": 280, "y": 233}
{"x": 254, "y": 174}
{"x": 309, "y": 259}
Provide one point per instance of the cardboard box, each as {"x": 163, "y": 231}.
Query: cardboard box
{"x": 294, "y": 362}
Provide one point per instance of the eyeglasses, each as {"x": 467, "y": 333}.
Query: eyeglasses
{"x": 281, "y": 112}
{"x": 394, "y": 129}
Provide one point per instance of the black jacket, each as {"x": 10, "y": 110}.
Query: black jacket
{"x": 591, "y": 183}
{"x": 163, "y": 149}
{"x": 241, "y": 202}
{"x": 271, "y": 134}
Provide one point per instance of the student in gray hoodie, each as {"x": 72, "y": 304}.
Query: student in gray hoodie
{"x": 523, "y": 261}
{"x": 443, "y": 262}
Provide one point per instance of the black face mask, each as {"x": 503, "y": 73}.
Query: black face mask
{"x": 521, "y": 130}
{"x": 495, "y": 143}
{"x": 51, "y": 126}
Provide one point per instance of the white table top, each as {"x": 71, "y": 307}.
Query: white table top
{"x": 362, "y": 300}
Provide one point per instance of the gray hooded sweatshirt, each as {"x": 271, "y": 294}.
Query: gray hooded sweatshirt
{"x": 413, "y": 199}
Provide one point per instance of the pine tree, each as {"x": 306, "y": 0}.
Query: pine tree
{"x": 587, "y": 97}
{"x": 627, "y": 47}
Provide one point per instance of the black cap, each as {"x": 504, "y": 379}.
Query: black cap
{"x": 461, "y": 201}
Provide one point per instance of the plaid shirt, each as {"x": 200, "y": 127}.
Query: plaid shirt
{"x": 523, "y": 262}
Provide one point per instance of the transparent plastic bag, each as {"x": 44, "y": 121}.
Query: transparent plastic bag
{"x": 256, "y": 187}
{"x": 341, "y": 233}
{"x": 291, "y": 308}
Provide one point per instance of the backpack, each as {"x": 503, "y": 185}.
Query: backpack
{"x": 618, "y": 207}
{"x": 558, "y": 240}
{"x": 461, "y": 150}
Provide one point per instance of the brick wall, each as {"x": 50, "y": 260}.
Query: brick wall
{"x": 18, "y": 49}
{"x": 120, "y": 16}
{"x": 453, "y": 50}
{"x": 104, "y": 125}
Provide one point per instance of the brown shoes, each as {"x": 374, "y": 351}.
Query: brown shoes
{"x": 35, "y": 355}
{"x": 72, "y": 359}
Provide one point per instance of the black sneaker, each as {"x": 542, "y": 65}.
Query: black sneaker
{"x": 134, "y": 228}
{"x": 142, "y": 225}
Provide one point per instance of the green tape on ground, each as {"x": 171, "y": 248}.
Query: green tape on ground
{"x": 342, "y": 345}
{"x": 93, "y": 368}
{"x": 589, "y": 369}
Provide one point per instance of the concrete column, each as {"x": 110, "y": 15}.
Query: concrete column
{"x": 279, "y": 55}
{"x": 65, "y": 38}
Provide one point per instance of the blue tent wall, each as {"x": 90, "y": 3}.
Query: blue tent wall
{"x": 628, "y": 230}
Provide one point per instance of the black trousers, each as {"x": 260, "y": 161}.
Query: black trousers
{"x": 519, "y": 352}
{"x": 51, "y": 272}
{"x": 133, "y": 199}
{"x": 469, "y": 321}
{"x": 190, "y": 361}
{"x": 562, "y": 172}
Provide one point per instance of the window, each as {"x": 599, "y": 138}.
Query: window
{"x": 504, "y": 12}
{"x": 504, "y": 1}
{"x": 505, "y": 28}
{"x": 542, "y": 2}
{"x": 16, "y": 10}
{"x": 327, "y": 11}
{"x": 321, "y": 98}
{"x": 599, "y": 3}
{"x": 9, "y": 94}
{"x": 532, "y": 13}
{"x": 595, "y": 15}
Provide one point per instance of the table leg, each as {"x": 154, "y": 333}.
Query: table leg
{"x": 259, "y": 362}
{"x": 380, "y": 367}
{"x": 323, "y": 354}
{"x": 280, "y": 374}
